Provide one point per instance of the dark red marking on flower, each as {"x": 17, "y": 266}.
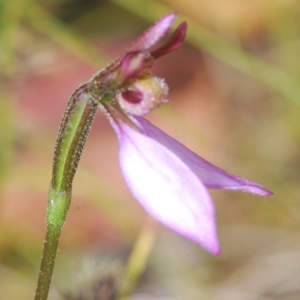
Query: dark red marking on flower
{"x": 173, "y": 43}
{"x": 134, "y": 97}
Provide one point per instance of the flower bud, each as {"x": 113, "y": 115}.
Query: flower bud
{"x": 143, "y": 95}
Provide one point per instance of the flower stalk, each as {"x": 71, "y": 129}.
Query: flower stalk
{"x": 74, "y": 129}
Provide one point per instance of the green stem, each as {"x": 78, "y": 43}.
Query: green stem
{"x": 47, "y": 264}
{"x": 74, "y": 129}
{"x": 71, "y": 138}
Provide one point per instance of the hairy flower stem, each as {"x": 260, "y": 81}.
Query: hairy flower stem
{"x": 71, "y": 138}
{"x": 47, "y": 264}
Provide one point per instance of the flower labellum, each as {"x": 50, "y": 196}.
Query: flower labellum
{"x": 169, "y": 180}
{"x": 143, "y": 96}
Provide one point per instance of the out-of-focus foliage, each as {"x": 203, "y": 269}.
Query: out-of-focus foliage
{"x": 234, "y": 99}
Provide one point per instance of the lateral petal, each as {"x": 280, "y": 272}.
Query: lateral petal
{"x": 210, "y": 175}
{"x": 167, "y": 188}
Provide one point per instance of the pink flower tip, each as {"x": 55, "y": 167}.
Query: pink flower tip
{"x": 173, "y": 43}
{"x": 154, "y": 33}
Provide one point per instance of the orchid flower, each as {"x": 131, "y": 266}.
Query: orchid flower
{"x": 169, "y": 180}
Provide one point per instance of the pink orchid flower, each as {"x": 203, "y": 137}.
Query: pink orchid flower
{"x": 169, "y": 180}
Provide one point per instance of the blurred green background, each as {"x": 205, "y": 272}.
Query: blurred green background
{"x": 234, "y": 99}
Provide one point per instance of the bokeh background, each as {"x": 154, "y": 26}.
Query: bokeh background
{"x": 234, "y": 99}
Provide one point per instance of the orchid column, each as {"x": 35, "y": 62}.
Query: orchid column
{"x": 169, "y": 180}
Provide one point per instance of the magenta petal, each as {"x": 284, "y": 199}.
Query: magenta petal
{"x": 154, "y": 33}
{"x": 167, "y": 188}
{"x": 210, "y": 175}
{"x": 173, "y": 43}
